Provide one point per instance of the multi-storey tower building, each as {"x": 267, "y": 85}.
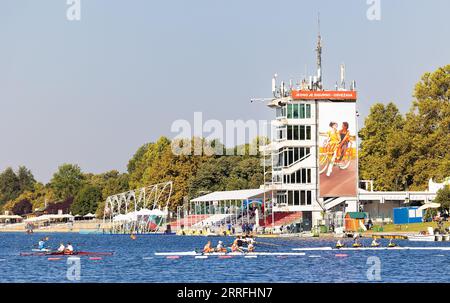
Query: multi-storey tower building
{"x": 313, "y": 147}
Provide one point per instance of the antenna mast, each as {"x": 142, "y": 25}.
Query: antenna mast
{"x": 319, "y": 55}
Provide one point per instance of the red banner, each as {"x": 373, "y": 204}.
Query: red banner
{"x": 323, "y": 95}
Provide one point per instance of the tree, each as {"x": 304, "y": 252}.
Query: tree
{"x": 443, "y": 197}
{"x": 23, "y": 207}
{"x": 26, "y": 179}
{"x": 9, "y": 186}
{"x": 87, "y": 200}
{"x": 422, "y": 147}
{"x": 67, "y": 181}
{"x": 382, "y": 124}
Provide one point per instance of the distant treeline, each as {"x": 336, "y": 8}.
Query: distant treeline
{"x": 398, "y": 152}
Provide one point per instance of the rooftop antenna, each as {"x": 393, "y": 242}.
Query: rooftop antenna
{"x": 274, "y": 84}
{"x": 342, "y": 85}
{"x": 319, "y": 54}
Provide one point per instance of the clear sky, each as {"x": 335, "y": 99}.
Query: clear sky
{"x": 92, "y": 91}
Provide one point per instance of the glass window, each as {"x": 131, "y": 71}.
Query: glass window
{"x": 308, "y": 133}
{"x": 289, "y": 111}
{"x": 289, "y": 132}
{"x": 295, "y": 111}
{"x": 302, "y": 132}
{"x": 295, "y": 131}
{"x": 302, "y": 111}
{"x": 304, "y": 175}
{"x": 290, "y": 197}
{"x": 308, "y": 111}
{"x": 309, "y": 176}
{"x": 302, "y": 197}
{"x": 296, "y": 155}
{"x": 296, "y": 198}
{"x": 309, "y": 198}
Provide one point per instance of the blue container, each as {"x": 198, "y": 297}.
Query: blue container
{"x": 405, "y": 215}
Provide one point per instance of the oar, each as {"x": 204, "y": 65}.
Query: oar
{"x": 270, "y": 244}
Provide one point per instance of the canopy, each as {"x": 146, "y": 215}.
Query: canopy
{"x": 231, "y": 195}
{"x": 10, "y": 217}
{"x": 429, "y": 205}
{"x": 89, "y": 215}
{"x": 49, "y": 217}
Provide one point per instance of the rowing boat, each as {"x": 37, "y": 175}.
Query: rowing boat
{"x": 194, "y": 253}
{"x": 368, "y": 248}
{"x": 75, "y": 253}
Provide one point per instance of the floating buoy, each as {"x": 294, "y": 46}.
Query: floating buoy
{"x": 201, "y": 257}
{"x": 133, "y": 237}
{"x": 341, "y": 255}
{"x": 225, "y": 257}
{"x": 172, "y": 257}
{"x": 53, "y": 259}
{"x": 250, "y": 256}
{"x": 95, "y": 258}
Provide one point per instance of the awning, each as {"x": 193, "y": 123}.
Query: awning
{"x": 429, "y": 205}
{"x": 231, "y": 195}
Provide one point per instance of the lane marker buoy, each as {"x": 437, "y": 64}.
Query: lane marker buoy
{"x": 201, "y": 257}
{"x": 53, "y": 259}
{"x": 341, "y": 255}
{"x": 172, "y": 257}
{"x": 250, "y": 256}
{"x": 95, "y": 258}
{"x": 225, "y": 257}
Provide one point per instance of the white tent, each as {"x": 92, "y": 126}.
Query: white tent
{"x": 157, "y": 212}
{"x": 89, "y": 215}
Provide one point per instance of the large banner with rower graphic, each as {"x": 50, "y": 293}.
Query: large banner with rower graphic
{"x": 337, "y": 156}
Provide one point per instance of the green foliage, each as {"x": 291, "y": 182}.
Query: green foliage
{"x": 67, "y": 181}
{"x": 86, "y": 200}
{"x": 404, "y": 153}
{"x": 9, "y": 186}
{"x": 443, "y": 197}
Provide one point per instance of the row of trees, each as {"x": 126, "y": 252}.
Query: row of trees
{"x": 152, "y": 163}
{"x": 398, "y": 152}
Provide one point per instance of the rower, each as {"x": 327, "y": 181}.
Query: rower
{"x": 251, "y": 247}
{"x": 239, "y": 241}
{"x": 41, "y": 244}
{"x": 69, "y": 249}
{"x": 61, "y": 248}
{"x": 339, "y": 244}
{"x": 375, "y": 243}
{"x": 207, "y": 248}
{"x": 391, "y": 244}
{"x": 356, "y": 243}
{"x": 220, "y": 248}
{"x": 235, "y": 247}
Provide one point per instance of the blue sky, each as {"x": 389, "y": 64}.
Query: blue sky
{"x": 92, "y": 91}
